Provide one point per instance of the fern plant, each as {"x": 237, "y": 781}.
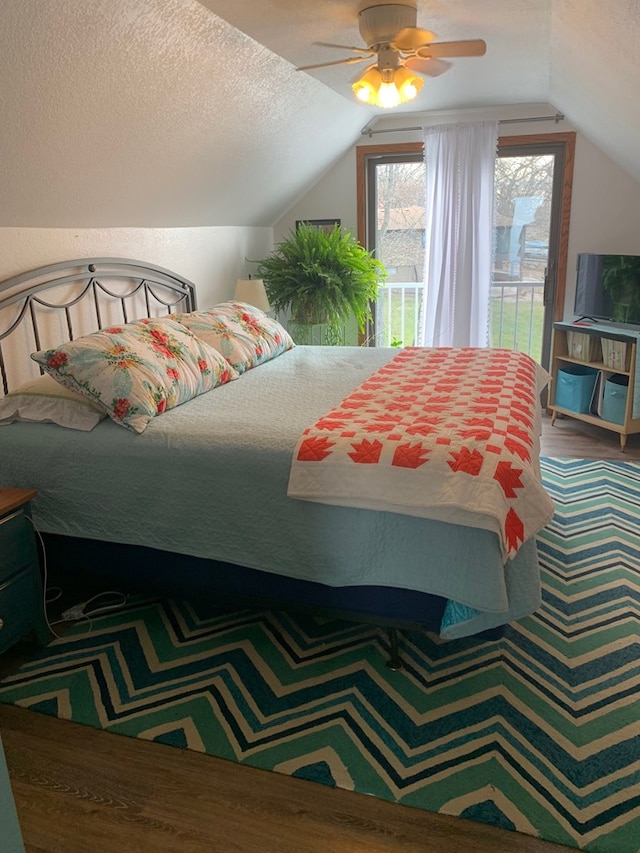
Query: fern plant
{"x": 322, "y": 276}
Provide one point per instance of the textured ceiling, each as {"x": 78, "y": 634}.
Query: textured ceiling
{"x": 515, "y": 68}
{"x": 178, "y": 112}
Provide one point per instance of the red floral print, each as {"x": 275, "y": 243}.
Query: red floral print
{"x": 123, "y": 358}
{"x": 163, "y": 350}
{"x": 251, "y": 322}
{"x": 57, "y": 359}
{"x": 121, "y": 408}
{"x": 159, "y": 336}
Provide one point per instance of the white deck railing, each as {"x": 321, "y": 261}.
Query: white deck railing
{"x": 516, "y": 315}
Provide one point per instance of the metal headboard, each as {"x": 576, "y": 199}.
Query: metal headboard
{"x": 92, "y": 284}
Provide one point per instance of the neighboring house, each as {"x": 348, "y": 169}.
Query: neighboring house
{"x": 401, "y": 237}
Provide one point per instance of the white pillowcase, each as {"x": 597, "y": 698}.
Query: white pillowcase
{"x": 44, "y": 399}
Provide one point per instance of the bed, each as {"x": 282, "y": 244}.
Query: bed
{"x": 198, "y": 501}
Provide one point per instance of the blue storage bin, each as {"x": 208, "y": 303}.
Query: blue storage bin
{"x": 574, "y": 387}
{"x": 614, "y": 401}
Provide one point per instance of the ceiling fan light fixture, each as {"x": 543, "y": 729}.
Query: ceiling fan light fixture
{"x": 403, "y": 49}
{"x": 387, "y": 88}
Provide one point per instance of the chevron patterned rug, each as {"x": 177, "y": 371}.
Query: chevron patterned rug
{"x": 538, "y": 732}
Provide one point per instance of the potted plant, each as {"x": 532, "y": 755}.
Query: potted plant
{"x": 322, "y": 276}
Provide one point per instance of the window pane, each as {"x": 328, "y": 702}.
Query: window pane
{"x": 523, "y": 196}
{"x": 400, "y": 196}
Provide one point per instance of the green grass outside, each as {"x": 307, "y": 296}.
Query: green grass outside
{"x": 504, "y": 331}
{"x": 523, "y": 334}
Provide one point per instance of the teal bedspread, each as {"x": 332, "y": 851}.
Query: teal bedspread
{"x": 209, "y": 479}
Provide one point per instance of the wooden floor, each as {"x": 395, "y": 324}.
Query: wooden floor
{"x": 81, "y": 790}
{"x": 568, "y": 437}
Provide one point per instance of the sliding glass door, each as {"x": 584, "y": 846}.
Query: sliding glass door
{"x": 533, "y": 186}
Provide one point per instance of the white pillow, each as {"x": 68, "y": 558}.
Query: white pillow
{"x": 44, "y": 399}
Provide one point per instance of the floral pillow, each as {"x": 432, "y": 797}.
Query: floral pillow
{"x": 45, "y": 400}
{"x": 243, "y": 334}
{"x": 138, "y": 370}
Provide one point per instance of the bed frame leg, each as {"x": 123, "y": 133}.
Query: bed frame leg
{"x": 395, "y": 661}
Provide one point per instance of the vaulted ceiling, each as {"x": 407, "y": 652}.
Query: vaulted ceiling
{"x": 178, "y": 112}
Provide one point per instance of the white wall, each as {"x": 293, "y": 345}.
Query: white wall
{"x": 212, "y": 258}
{"x": 333, "y": 197}
{"x": 605, "y": 209}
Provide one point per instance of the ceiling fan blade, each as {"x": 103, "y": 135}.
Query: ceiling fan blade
{"x": 345, "y": 47}
{"x": 411, "y": 38}
{"x": 430, "y": 67}
{"x": 438, "y": 49}
{"x": 346, "y": 61}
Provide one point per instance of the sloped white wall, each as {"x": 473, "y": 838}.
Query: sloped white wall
{"x": 153, "y": 113}
{"x": 595, "y": 73}
{"x": 605, "y": 211}
{"x": 212, "y": 258}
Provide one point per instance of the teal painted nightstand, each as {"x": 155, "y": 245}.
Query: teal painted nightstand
{"x": 10, "y": 837}
{"x": 21, "y": 598}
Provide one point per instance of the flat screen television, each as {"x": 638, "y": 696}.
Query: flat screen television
{"x": 608, "y": 288}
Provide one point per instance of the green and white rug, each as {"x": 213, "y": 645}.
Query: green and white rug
{"x": 538, "y": 732}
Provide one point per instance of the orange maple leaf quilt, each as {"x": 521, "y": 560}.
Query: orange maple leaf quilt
{"x": 445, "y": 433}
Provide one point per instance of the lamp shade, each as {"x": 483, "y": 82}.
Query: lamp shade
{"x": 366, "y": 88}
{"x": 252, "y": 291}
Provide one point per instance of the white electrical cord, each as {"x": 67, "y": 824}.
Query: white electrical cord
{"x": 77, "y": 611}
{"x": 44, "y": 578}
{"x": 82, "y": 611}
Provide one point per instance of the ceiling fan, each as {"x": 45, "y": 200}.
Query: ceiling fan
{"x": 400, "y": 49}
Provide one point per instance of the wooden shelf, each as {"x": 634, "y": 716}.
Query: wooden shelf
{"x": 596, "y": 365}
{"x": 560, "y": 356}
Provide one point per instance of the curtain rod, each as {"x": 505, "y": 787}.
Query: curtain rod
{"x": 366, "y": 131}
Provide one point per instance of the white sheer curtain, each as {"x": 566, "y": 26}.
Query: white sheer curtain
{"x": 460, "y": 164}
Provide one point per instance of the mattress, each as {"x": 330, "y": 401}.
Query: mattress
{"x": 209, "y": 479}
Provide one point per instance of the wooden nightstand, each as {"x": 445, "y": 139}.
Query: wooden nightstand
{"x": 21, "y": 597}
